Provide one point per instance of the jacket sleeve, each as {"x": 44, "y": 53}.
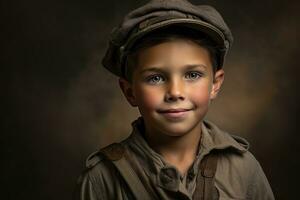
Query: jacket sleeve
{"x": 85, "y": 189}
{"x": 260, "y": 188}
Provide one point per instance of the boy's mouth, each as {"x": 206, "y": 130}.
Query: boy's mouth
{"x": 174, "y": 113}
{"x": 177, "y": 110}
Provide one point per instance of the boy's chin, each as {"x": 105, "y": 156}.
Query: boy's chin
{"x": 178, "y": 130}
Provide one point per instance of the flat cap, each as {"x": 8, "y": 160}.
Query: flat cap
{"x": 158, "y": 14}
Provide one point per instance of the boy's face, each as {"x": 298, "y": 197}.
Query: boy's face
{"x": 172, "y": 85}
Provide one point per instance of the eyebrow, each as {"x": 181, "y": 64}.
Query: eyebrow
{"x": 192, "y": 66}
{"x": 161, "y": 69}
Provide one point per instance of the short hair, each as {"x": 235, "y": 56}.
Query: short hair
{"x": 168, "y": 34}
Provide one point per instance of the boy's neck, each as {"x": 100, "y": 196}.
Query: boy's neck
{"x": 179, "y": 151}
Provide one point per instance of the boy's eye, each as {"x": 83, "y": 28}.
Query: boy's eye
{"x": 193, "y": 75}
{"x": 155, "y": 79}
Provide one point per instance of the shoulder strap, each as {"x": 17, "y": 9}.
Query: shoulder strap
{"x": 205, "y": 189}
{"x": 118, "y": 155}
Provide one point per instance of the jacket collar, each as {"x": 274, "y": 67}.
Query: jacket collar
{"x": 212, "y": 138}
{"x": 157, "y": 168}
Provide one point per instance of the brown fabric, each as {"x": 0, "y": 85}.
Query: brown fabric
{"x": 116, "y": 153}
{"x": 138, "y": 170}
{"x": 113, "y": 151}
{"x": 205, "y": 187}
{"x": 238, "y": 174}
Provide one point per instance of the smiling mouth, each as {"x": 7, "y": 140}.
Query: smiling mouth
{"x": 174, "y": 113}
{"x": 179, "y": 110}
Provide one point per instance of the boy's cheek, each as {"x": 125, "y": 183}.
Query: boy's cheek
{"x": 200, "y": 96}
{"x": 149, "y": 99}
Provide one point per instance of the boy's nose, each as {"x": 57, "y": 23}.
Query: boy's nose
{"x": 175, "y": 91}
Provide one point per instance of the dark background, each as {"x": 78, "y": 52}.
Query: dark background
{"x": 58, "y": 105}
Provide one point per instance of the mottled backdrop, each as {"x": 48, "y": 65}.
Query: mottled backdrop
{"x": 58, "y": 104}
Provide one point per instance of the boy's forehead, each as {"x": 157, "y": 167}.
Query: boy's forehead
{"x": 177, "y": 54}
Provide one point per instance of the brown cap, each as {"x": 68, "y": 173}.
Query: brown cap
{"x": 159, "y": 14}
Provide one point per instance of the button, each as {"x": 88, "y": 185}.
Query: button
{"x": 169, "y": 178}
{"x": 165, "y": 179}
{"x": 168, "y": 174}
{"x": 190, "y": 176}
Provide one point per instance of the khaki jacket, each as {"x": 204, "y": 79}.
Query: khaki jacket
{"x": 238, "y": 175}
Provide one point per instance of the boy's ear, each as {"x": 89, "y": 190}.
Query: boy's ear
{"x": 127, "y": 90}
{"x": 217, "y": 83}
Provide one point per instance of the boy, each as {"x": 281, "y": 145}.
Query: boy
{"x": 169, "y": 56}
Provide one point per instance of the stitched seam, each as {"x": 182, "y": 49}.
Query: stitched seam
{"x": 93, "y": 181}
